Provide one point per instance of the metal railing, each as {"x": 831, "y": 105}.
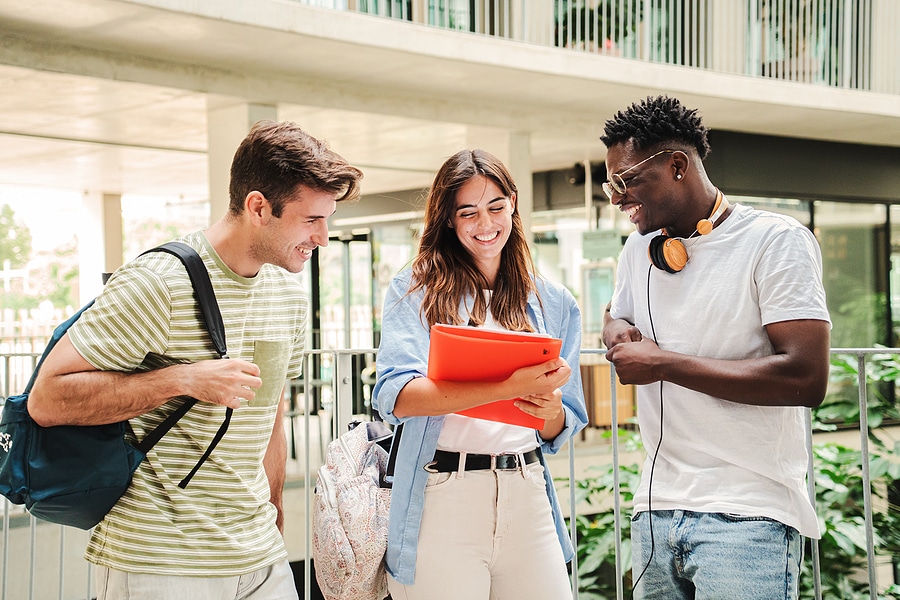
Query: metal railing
{"x": 334, "y": 400}
{"x": 840, "y": 43}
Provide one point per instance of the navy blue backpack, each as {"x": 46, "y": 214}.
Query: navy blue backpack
{"x": 73, "y": 475}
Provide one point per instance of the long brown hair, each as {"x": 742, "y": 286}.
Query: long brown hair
{"x": 445, "y": 270}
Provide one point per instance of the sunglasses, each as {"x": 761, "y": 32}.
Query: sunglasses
{"x": 616, "y": 185}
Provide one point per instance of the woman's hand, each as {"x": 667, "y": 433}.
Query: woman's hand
{"x": 539, "y": 380}
{"x": 543, "y": 406}
{"x": 423, "y": 397}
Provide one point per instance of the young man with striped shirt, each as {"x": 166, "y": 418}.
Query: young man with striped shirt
{"x": 221, "y": 536}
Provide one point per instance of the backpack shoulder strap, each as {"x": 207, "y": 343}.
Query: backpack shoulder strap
{"x": 388, "y": 477}
{"x": 212, "y": 317}
{"x": 203, "y": 290}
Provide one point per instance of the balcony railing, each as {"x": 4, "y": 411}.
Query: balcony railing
{"x": 839, "y": 43}
{"x": 37, "y": 556}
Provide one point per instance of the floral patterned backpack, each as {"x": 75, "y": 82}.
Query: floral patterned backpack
{"x": 350, "y": 514}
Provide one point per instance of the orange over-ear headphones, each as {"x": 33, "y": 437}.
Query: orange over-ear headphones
{"x": 669, "y": 254}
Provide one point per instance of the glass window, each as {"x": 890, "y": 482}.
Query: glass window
{"x": 345, "y": 293}
{"x": 799, "y": 209}
{"x": 855, "y": 264}
{"x": 855, "y": 267}
{"x": 558, "y": 245}
{"x": 894, "y": 279}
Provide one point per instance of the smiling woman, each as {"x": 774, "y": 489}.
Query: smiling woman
{"x": 482, "y": 221}
{"x": 473, "y": 268}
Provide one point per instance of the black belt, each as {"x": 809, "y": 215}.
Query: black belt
{"x": 448, "y": 462}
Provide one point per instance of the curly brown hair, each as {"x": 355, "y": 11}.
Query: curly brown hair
{"x": 445, "y": 270}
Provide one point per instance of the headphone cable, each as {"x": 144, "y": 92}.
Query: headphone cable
{"x": 655, "y": 453}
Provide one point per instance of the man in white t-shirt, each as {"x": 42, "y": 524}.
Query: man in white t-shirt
{"x": 719, "y": 317}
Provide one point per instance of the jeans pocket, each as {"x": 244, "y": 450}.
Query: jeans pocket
{"x": 536, "y": 475}
{"x": 736, "y": 518}
{"x": 438, "y": 481}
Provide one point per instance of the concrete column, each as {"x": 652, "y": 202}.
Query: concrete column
{"x": 99, "y": 241}
{"x": 514, "y": 149}
{"x": 226, "y": 128}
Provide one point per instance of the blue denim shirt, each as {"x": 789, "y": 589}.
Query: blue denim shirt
{"x": 403, "y": 355}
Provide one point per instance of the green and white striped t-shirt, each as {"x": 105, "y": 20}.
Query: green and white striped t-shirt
{"x": 222, "y": 524}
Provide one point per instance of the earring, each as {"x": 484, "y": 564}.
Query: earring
{"x": 678, "y": 176}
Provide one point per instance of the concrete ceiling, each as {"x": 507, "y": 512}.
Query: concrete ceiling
{"x": 112, "y": 95}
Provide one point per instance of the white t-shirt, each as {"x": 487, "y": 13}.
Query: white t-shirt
{"x": 479, "y": 436}
{"x": 754, "y": 269}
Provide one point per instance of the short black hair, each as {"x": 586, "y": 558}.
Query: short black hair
{"x": 653, "y": 122}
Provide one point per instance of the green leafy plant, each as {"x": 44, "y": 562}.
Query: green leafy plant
{"x": 15, "y": 239}
{"x": 839, "y": 505}
{"x": 595, "y": 531}
{"x": 839, "y": 484}
{"x": 841, "y": 405}
{"x": 598, "y": 23}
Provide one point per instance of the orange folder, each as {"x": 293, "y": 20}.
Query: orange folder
{"x": 459, "y": 353}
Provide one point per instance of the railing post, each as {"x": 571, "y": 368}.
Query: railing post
{"x": 4, "y": 570}
{"x": 867, "y": 486}
{"x": 32, "y": 554}
{"x": 307, "y": 479}
{"x": 573, "y": 529}
{"x": 811, "y": 490}
{"x": 617, "y": 503}
{"x": 847, "y": 47}
{"x": 62, "y": 561}
{"x": 646, "y": 48}
{"x": 343, "y": 390}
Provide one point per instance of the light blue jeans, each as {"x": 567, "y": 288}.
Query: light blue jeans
{"x": 714, "y": 556}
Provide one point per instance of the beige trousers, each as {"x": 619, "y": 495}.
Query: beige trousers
{"x": 487, "y": 535}
{"x": 270, "y": 583}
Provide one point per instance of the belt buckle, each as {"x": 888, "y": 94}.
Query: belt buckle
{"x": 515, "y": 466}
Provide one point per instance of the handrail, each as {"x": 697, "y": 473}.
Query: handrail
{"x": 332, "y": 392}
{"x": 834, "y": 43}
